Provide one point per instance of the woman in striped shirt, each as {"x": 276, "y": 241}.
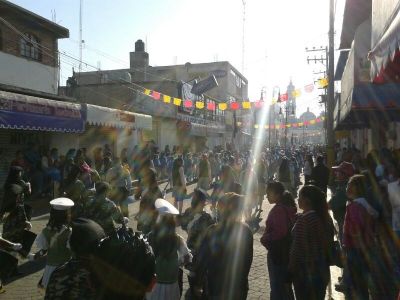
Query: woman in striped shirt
{"x": 311, "y": 238}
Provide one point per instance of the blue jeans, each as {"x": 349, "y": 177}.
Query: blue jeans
{"x": 280, "y": 288}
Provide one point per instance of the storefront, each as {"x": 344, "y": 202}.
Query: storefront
{"x": 117, "y": 128}
{"x": 30, "y": 121}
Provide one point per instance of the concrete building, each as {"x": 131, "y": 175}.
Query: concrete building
{"x": 172, "y": 125}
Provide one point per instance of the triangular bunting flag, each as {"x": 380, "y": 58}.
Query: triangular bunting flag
{"x": 167, "y": 99}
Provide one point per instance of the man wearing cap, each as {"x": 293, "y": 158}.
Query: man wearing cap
{"x": 104, "y": 211}
{"x": 338, "y": 202}
{"x": 54, "y": 238}
{"x": 73, "y": 280}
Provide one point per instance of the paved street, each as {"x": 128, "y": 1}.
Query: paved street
{"x": 25, "y": 287}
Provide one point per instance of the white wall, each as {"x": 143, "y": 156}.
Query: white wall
{"x": 24, "y": 73}
{"x": 168, "y": 134}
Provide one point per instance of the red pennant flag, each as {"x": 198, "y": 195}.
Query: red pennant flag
{"x": 234, "y": 105}
{"x": 156, "y": 95}
{"x": 306, "y": 122}
{"x": 309, "y": 88}
{"x": 272, "y": 126}
{"x": 318, "y": 120}
{"x": 259, "y": 104}
{"x": 284, "y": 97}
{"x": 211, "y": 106}
{"x": 188, "y": 103}
{"x": 294, "y": 124}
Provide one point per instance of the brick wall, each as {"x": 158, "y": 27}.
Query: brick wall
{"x": 11, "y": 40}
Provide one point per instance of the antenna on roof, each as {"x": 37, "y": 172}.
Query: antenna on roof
{"x": 80, "y": 35}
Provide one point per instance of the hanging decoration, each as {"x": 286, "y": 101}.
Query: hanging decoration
{"x": 245, "y": 105}
{"x": 288, "y": 125}
{"x": 199, "y": 104}
{"x": 155, "y": 95}
{"x": 188, "y": 103}
{"x": 167, "y": 99}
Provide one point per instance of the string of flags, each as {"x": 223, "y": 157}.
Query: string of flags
{"x": 288, "y": 125}
{"x": 235, "y": 105}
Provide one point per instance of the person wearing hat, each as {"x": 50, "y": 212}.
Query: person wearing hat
{"x": 104, "y": 211}
{"x": 226, "y": 252}
{"x": 171, "y": 252}
{"x": 73, "y": 280}
{"x": 178, "y": 183}
{"x": 52, "y": 241}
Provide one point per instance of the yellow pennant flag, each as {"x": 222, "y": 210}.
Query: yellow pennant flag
{"x": 288, "y": 125}
{"x": 256, "y": 126}
{"x": 222, "y": 106}
{"x": 266, "y": 126}
{"x": 323, "y": 82}
{"x": 312, "y": 122}
{"x": 147, "y": 92}
{"x": 296, "y": 93}
{"x": 177, "y": 101}
{"x": 167, "y": 99}
{"x": 246, "y": 104}
{"x": 322, "y": 118}
{"x": 199, "y": 104}
{"x": 301, "y": 124}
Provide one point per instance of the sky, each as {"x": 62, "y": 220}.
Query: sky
{"x": 180, "y": 31}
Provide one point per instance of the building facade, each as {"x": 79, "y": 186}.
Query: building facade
{"x": 172, "y": 125}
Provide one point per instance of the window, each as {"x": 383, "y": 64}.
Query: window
{"x": 29, "y": 47}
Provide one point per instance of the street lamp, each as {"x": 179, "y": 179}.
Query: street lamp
{"x": 287, "y": 108}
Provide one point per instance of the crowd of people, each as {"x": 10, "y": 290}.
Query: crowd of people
{"x": 91, "y": 253}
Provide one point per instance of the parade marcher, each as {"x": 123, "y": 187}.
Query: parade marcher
{"x": 104, "y": 211}
{"x": 249, "y": 183}
{"x": 204, "y": 173}
{"x": 75, "y": 190}
{"x": 196, "y": 221}
{"x": 52, "y": 241}
{"x": 286, "y": 176}
{"x": 171, "y": 252}
{"x": 276, "y": 239}
{"x": 359, "y": 238}
{"x": 225, "y": 184}
{"x": 178, "y": 183}
{"x": 312, "y": 237}
{"x": 147, "y": 214}
{"x": 226, "y": 253}
{"x": 74, "y": 279}
{"x": 308, "y": 166}
{"x": 120, "y": 182}
{"x": 17, "y": 218}
{"x": 320, "y": 174}
{"x": 8, "y": 262}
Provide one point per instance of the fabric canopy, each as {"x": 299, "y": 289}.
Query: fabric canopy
{"x": 370, "y": 103}
{"x": 386, "y": 47}
{"x": 104, "y": 116}
{"x": 18, "y": 111}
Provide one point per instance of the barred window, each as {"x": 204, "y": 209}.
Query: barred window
{"x": 30, "y": 47}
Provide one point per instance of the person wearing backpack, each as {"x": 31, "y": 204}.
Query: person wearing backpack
{"x": 276, "y": 239}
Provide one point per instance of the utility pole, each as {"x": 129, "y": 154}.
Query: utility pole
{"x": 80, "y": 35}
{"x": 243, "y": 33}
{"x": 331, "y": 91}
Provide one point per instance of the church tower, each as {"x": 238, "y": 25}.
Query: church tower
{"x": 291, "y": 102}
